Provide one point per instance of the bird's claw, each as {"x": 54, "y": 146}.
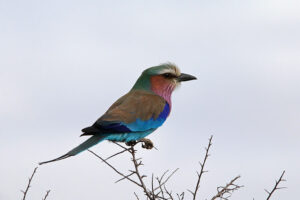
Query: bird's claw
{"x": 147, "y": 143}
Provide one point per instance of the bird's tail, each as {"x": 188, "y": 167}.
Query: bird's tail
{"x": 83, "y": 146}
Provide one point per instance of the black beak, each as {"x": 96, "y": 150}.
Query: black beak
{"x": 185, "y": 77}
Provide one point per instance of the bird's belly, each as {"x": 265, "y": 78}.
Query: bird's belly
{"x": 127, "y": 137}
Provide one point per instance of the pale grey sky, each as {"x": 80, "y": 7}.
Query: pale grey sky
{"x": 64, "y": 62}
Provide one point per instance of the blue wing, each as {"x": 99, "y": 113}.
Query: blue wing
{"x": 121, "y": 127}
{"x": 140, "y": 125}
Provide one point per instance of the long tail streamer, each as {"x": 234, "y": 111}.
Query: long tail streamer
{"x": 83, "y": 146}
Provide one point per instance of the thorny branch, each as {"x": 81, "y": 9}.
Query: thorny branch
{"x": 137, "y": 163}
{"x": 153, "y": 192}
{"x": 162, "y": 183}
{"x": 160, "y": 192}
{"x": 276, "y": 186}
{"x": 202, "y": 171}
{"x": 47, "y": 193}
{"x": 117, "y": 171}
{"x": 29, "y": 184}
{"x": 158, "y": 189}
{"x": 227, "y": 190}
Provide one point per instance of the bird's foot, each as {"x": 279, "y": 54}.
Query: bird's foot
{"x": 147, "y": 144}
{"x": 131, "y": 143}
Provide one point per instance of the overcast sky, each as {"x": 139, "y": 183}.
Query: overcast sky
{"x": 63, "y": 63}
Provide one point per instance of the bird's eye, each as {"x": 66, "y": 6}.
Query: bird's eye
{"x": 168, "y": 75}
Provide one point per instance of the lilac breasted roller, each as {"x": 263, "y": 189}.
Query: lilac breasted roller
{"x": 139, "y": 112}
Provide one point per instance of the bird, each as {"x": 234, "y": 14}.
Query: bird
{"x": 138, "y": 113}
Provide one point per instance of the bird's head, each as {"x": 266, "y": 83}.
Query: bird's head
{"x": 162, "y": 80}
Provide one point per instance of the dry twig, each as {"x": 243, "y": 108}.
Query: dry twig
{"x": 117, "y": 171}
{"x": 227, "y": 190}
{"x": 158, "y": 190}
{"x": 29, "y": 184}
{"x": 137, "y": 164}
{"x": 180, "y": 196}
{"x": 155, "y": 192}
{"x": 202, "y": 171}
{"x": 169, "y": 193}
{"x": 276, "y": 186}
{"x": 47, "y": 193}
{"x": 136, "y": 196}
{"x": 162, "y": 183}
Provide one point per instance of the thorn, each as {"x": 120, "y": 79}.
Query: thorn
{"x": 267, "y": 191}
